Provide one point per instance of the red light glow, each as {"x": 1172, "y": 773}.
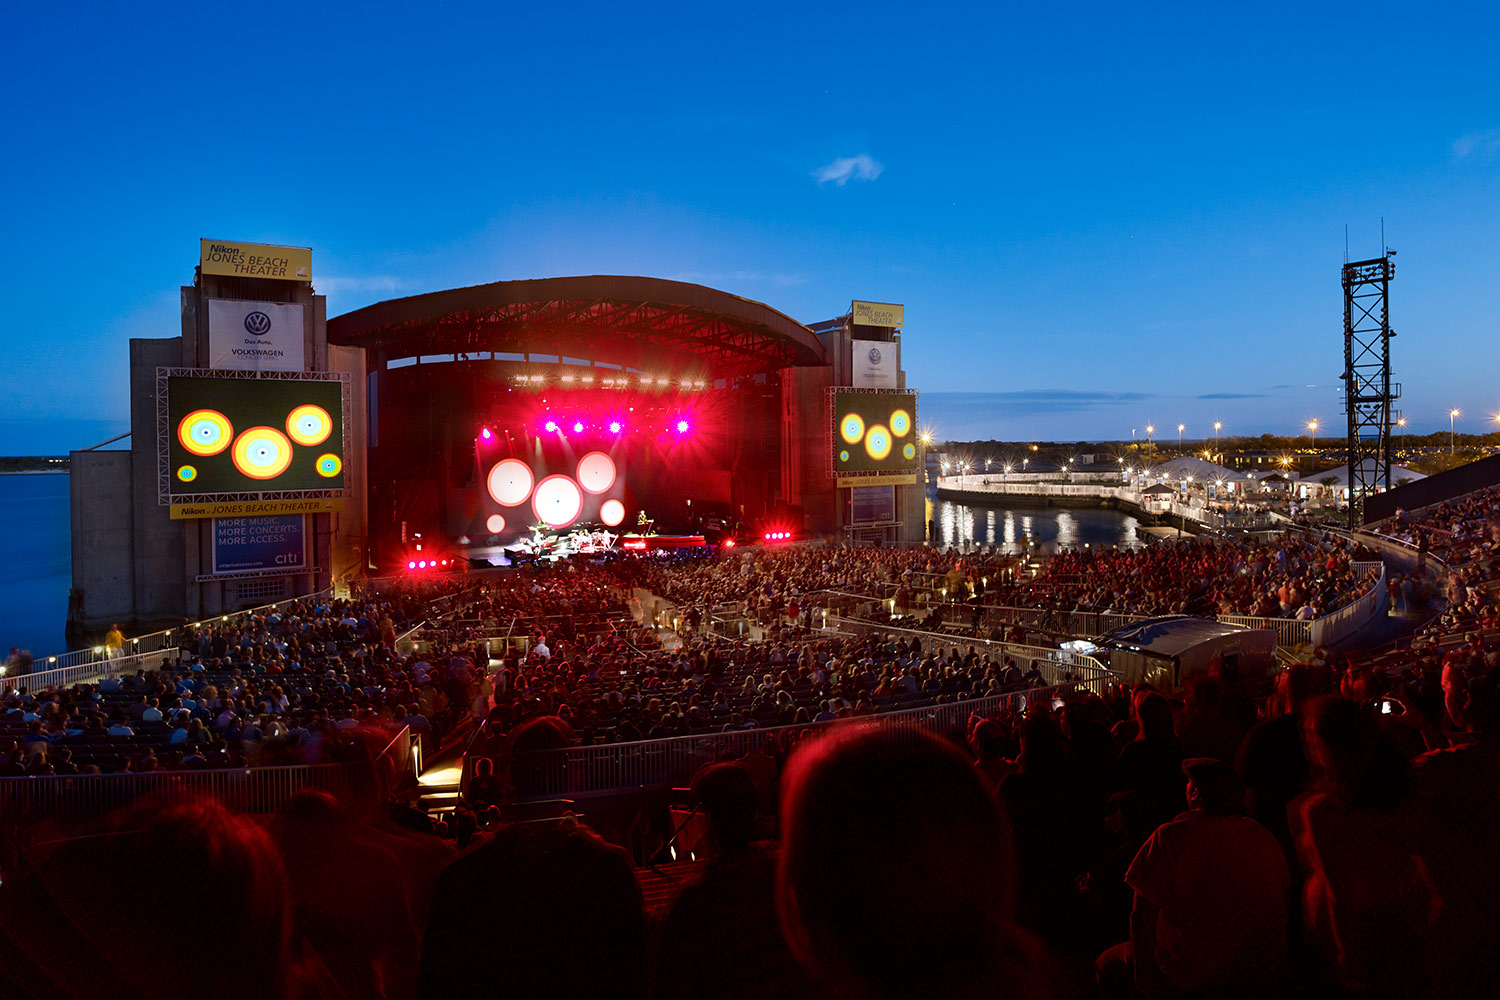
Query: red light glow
{"x": 486, "y": 434}
{"x": 412, "y": 564}
{"x": 682, "y": 427}
{"x": 729, "y": 543}
{"x": 615, "y": 427}
{"x": 550, "y": 427}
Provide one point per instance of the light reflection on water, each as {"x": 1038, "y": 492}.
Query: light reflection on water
{"x": 1048, "y": 527}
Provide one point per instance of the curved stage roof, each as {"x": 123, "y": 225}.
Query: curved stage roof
{"x": 641, "y": 323}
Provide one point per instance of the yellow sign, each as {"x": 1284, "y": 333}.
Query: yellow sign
{"x": 255, "y": 260}
{"x": 879, "y": 314}
{"x": 909, "y": 479}
{"x": 240, "y": 508}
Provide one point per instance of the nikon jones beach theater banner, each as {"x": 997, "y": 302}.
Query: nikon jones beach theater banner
{"x": 254, "y": 336}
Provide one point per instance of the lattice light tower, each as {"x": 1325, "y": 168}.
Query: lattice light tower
{"x": 1368, "y": 390}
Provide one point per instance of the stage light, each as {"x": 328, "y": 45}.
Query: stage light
{"x": 682, "y": 427}
{"x": 550, "y": 427}
{"x": 486, "y": 434}
{"x": 422, "y": 564}
{"x": 412, "y": 564}
{"x": 577, "y": 427}
{"x": 615, "y": 427}
{"x": 729, "y": 543}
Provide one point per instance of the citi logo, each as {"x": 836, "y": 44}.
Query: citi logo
{"x": 258, "y": 324}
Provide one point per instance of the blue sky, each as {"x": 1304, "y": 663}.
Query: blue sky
{"x": 1106, "y": 215}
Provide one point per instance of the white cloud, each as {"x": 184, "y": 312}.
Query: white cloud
{"x": 336, "y": 285}
{"x": 1480, "y": 145}
{"x": 846, "y": 168}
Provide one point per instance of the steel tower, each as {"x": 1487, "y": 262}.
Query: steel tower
{"x": 1368, "y": 390}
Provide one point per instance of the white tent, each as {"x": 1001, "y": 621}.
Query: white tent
{"x": 1341, "y": 475}
{"x": 1200, "y": 469}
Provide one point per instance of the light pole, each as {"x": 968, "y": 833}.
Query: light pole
{"x": 1180, "y": 428}
{"x": 1451, "y": 414}
{"x": 1312, "y": 433}
{"x": 1149, "y": 431}
{"x": 1217, "y": 425}
{"x": 1401, "y": 423}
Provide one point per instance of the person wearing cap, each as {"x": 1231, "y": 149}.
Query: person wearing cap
{"x": 1210, "y": 908}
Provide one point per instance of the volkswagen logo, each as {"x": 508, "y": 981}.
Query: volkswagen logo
{"x": 258, "y": 324}
{"x": 874, "y": 353}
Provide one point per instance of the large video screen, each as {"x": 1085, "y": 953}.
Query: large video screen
{"x": 554, "y": 481}
{"x": 875, "y": 432}
{"x": 245, "y": 435}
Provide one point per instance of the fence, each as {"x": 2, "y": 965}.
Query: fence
{"x": 260, "y": 789}
{"x": 576, "y": 772}
{"x": 156, "y": 642}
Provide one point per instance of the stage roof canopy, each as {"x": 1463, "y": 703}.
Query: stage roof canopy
{"x": 647, "y": 324}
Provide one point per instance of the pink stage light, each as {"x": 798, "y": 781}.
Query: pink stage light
{"x": 412, "y": 564}
{"x": 682, "y": 427}
{"x": 422, "y": 564}
{"x": 486, "y": 434}
{"x": 615, "y": 427}
{"x": 577, "y": 427}
{"x": 550, "y": 427}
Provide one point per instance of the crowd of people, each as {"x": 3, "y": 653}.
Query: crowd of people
{"x": 1335, "y": 839}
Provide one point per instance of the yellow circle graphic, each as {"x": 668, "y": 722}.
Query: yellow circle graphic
{"x": 910, "y": 451}
{"x": 262, "y": 453}
{"x": 309, "y": 424}
{"x": 330, "y": 465}
{"x": 878, "y": 443}
{"x": 205, "y": 432}
{"x": 187, "y": 473}
{"x": 900, "y": 423}
{"x": 851, "y": 428}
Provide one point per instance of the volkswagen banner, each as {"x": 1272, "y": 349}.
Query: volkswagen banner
{"x": 876, "y": 363}
{"x": 255, "y": 336}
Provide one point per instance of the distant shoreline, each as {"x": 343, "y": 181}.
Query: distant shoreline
{"x": 37, "y": 472}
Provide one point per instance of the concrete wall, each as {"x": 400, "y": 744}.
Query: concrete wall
{"x": 100, "y": 491}
{"x": 159, "y": 549}
{"x": 350, "y": 550}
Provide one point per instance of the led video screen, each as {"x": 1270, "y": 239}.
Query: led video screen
{"x": 253, "y": 435}
{"x": 875, "y": 432}
{"x": 554, "y": 482}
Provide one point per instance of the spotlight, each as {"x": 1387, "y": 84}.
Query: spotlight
{"x": 422, "y": 564}
{"x": 486, "y": 434}
{"x": 412, "y": 564}
{"x": 615, "y": 427}
{"x": 682, "y": 427}
{"x": 550, "y": 427}
{"x": 577, "y": 427}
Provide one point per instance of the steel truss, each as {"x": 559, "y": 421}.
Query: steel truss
{"x": 1368, "y": 390}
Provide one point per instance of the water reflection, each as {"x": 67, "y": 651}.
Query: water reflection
{"x": 1048, "y": 527}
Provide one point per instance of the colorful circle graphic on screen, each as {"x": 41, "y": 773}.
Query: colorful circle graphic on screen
{"x": 878, "y": 443}
{"x": 909, "y": 451}
{"x": 612, "y": 512}
{"x": 557, "y": 501}
{"x": 262, "y": 453}
{"x": 900, "y": 423}
{"x": 205, "y": 432}
{"x": 494, "y": 524}
{"x": 187, "y": 473}
{"x": 510, "y": 482}
{"x": 596, "y": 472}
{"x": 851, "y": 428}
{"x": 330, "y": 465}
{"x": 844, "y": 455}
{"x": 309, "y": 425}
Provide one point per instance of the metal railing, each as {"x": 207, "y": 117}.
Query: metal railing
{"x": 156, "y": 642}
{"x": 576, "y": 772}
{"x": 259, "y": 789}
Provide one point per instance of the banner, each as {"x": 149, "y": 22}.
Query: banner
{"x": 254, "y": 260}
{"x": 230, "y": 508}
{"x": 255, "y": 336}
{"x": 250, "y": 544}
{"x": 876, "y": 364}
{"x": 872, "y": 504}
{"x": 878, "y": 314}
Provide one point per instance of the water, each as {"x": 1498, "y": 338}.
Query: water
{"x": 1050, "y": 528}
{"x": 34, "y": 591}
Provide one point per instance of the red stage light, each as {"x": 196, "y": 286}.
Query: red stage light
{"x": 577, "y": 427}
{"x": 729, "y": 543}
{"x": 615, "y": 427}
{"x": 412, "y": 564}
{"x": 682, "y": 427}
{"x": 550, "y": 427}
{"x": 422, "y": 564}
{"x": 486, "y": 434}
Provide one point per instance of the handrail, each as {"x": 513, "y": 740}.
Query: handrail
{"x": 97, "y": 654}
